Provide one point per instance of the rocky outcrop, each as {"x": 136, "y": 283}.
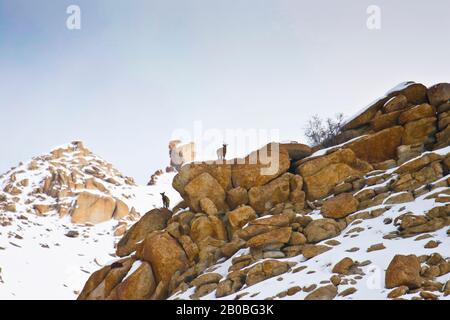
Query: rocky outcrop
{"x": 248, "y": 224}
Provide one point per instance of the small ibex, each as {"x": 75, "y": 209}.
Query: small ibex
{"x": 165, "y": 200}
{"x": 222, "y": 152}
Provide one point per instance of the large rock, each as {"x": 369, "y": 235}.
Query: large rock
{"x": 384, "y": 121}
{"x": 101, "y": 283}
{"x": 396, "y": 103}
{"x": 260, "y": 166}
{"x": 403, "y": 271}
{"x": 205, "y": 186}
{"x": 439, "y": 93}
{"x": 378, "y": 147}
{"x": 423, "y": 110}
{"x": 164, "y": 254}
{"x": 207, "y": 226}
{"x": 263, "y": 198}
{"x": 240, "y": 216}
{"x": 220, "y": 172}
{"x": 321, "y": 229}
{"x": 153, "y": 220}
{"x": 121, "y": 210}
{"x": 92, "y": 208}
{"x": 339, "y": 206}
{"x": 321, "y": 174}
{"x": 137, "y": 286}
{"x": 281, "y": 235}
{"x": 419, "y": 131}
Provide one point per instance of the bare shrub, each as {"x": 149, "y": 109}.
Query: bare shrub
{"x": 323, "y": 132}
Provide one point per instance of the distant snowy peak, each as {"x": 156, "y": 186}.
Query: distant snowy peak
{"x": 70, "y": 180}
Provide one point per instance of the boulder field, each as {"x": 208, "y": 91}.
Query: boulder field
{"x": 240, "y": 233}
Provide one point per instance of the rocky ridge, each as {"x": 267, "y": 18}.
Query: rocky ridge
{"x": 366, "y": 219}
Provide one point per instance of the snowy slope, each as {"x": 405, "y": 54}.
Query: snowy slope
{"x": 37, "y": 258}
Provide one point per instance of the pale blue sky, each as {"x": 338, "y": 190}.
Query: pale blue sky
{"x": 138, "y": 70}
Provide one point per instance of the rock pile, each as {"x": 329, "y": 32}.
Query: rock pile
{"x": 240, "y": 227}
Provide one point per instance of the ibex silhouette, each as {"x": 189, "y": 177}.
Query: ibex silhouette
{"x": 222, "y": 152}
{"x": 165, "y": 200}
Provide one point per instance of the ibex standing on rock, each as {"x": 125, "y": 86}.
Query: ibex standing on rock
{"x": 165, "y": 200}
{"x": 222, "y": 152}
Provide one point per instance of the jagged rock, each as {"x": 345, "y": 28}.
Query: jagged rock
{"x": 265, "y": 197}
{"x": 164, "y": 254}
{"x": 321, "y": 174}
{"x": 321, "y": 229}
{"x": 260, "y": 167}
{"x": 237, "y": 197}
{"x": 339, "y": 206}
{"x": 205, "y": 186}
{"x": 378, "y": 147}
{"x": 403, "y": 271}
{"x": 153, "y": 220}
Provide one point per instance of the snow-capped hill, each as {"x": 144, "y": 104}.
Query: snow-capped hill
{"x": 61, "y": 215}
{"x": 51, "y": 184}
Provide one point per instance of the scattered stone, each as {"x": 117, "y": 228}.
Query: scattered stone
{"x": 323, "y": 293}
{"x": 343, "y": 266}
{"x": 376, "y": 247}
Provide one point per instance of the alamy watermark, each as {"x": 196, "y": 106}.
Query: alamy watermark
{"x": 73, "y": 21}
{"x": 374, "y": 17}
